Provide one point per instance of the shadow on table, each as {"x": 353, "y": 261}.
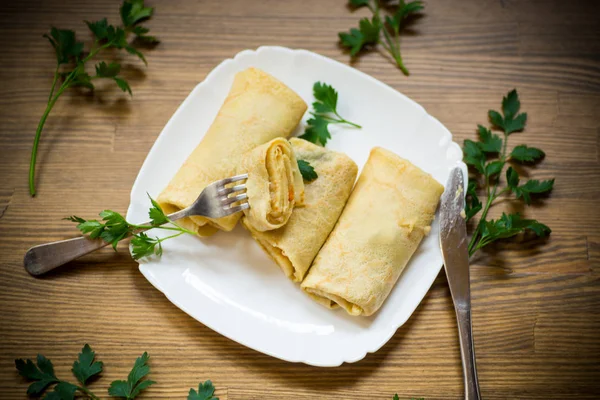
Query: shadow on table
{"x": 326, "y": 379}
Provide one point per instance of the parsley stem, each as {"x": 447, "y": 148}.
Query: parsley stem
{"x": 491, "y": 196}
{"x": 182, "y": 228}
{"x": 88, "y": 393}
{"x": 168, "y": 228}
{"x": 398, "y": 57}
{"x": 345, "y": 121}
{"x": 385, "y": 46}
{"x": 169, "y": 237}
{"x": 53, "y": 82}
{"x": 341, "y": 120}
{"x": 393, "y": 50}
{"x": 38, "y": 133}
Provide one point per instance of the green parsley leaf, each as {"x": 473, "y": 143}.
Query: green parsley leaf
{"x": 123, "y": 85}
{"x": 205, "y": 391}
{"x": 92, "y": 227}
{"x": 307, "y": 171}
{"x": 396, "y": 397}
{"x": 512, "y": 177}
{"x": 326, "y": 97}
{"x": 117, "y": 37}
{"x": 493, "y": 168}
{"x": 532, "y": 186}
{"x": 134, "y": 12}
{"x": 62, "y": 391}
{"x": 509, "y": 225}
{"x": 140, "y": 32}
{"x": 511, "y": 122}
{"x": 488, "y": 142}
{"x": 473, "y": 155}
{"x": 515, "y": 125}
{"x": 367, "y": 34}
{"x": 316, "y": 131}
{"x": 496, "y": 118}
{"x": 104, "y": 70}
{"x": 136, "y": 52}
{"x": 156, "y": 213}
{"x": 511, "y": 104}
{"x": 99, "y": 29}
{"x": 85, "y": 367}
{"x": 404, "y": 11}
{"x": 42, "y": 374}
{"x": 354, "y": 40}
{"x": 74, "y": 218}
{"x": 142, "y": 246}
{"x": 134, "y": 384}
{"x": 370, "y": 29}
{"x": 522, "y": 153}
{"x": 472, "y": 204}
{"x": 66, "y": 47}
{"x": 82, "y": 79}
{"x": 115, "y": 228}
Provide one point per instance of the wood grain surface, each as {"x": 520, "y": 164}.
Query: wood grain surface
{"x": 536, "y": 305}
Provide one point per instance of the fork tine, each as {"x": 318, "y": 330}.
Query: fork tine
{"x": 228, "y": 200}
{"x": 233, "y": 210}
{"x": 228, "y": 190}
{"x": 236, "y": 178}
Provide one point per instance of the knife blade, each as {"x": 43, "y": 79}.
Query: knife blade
{"x": 455, "y": 253}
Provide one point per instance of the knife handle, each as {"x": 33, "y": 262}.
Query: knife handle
{"x": 467, "y": 354}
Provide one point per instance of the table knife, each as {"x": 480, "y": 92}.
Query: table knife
{"x": 454, "y": 244}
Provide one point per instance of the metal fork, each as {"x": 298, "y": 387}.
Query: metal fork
{"x": 217, "y": 200}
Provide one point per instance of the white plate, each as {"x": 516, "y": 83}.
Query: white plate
{"x": 226, "y": 281}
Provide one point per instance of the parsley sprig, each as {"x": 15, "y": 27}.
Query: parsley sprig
{"x": 86, "y": 369}
{"x": 487, "y": 158}
{"x": 71, "y": 59}
{"x": 135, "y": 382}
{"x": 324, "y": 112}
{"x": 113, "y": 228}
{"x": 378, "y": 30}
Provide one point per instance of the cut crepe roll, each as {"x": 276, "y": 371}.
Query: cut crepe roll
{"x": 258, "y": 109}
{"x": 389, "y": 211}
{"x": 295, "y": 245}
{"x": 274, "y": 184}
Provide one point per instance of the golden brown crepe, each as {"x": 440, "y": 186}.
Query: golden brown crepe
{"x": 274, "y": 184}
{"x": 258, "y": 108}
{"x": 295, "y": 245}
{"x": 389, "y": 211}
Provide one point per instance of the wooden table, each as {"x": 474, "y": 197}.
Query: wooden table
{"x": 536, "y": 305}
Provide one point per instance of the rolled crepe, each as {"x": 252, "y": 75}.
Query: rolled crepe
{"x": 294, "y": 246}
{"x": 274, "y": 184}
{"x": 258, "y": 108}
{"x": 388, "y": 213}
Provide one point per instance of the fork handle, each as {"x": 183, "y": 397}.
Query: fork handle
{"x": 45, "y": 257}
